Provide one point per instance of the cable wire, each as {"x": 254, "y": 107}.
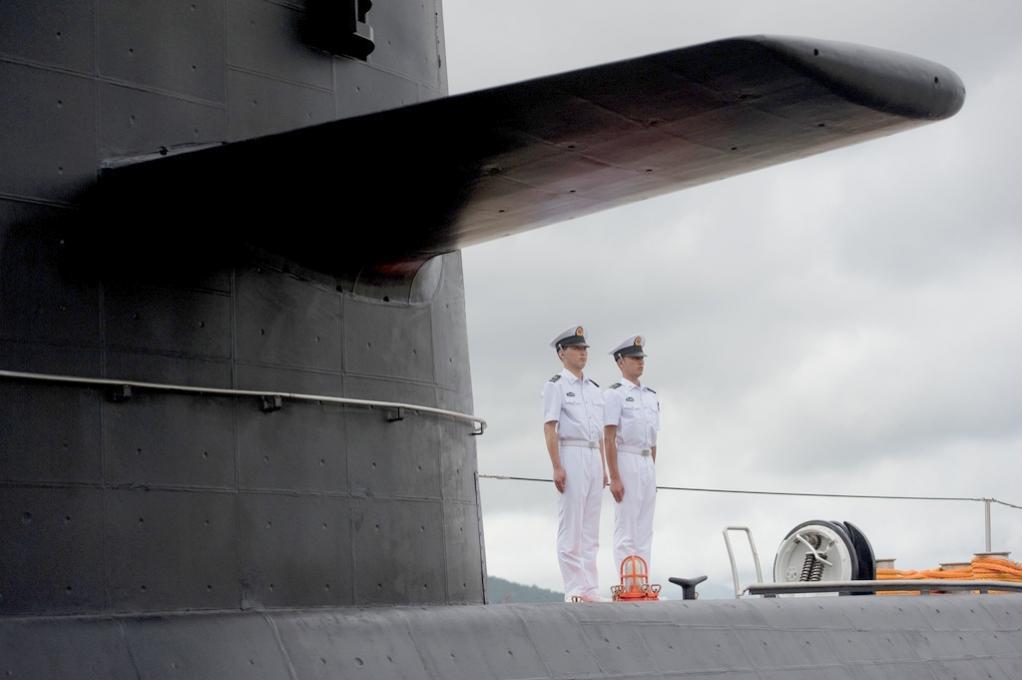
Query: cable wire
{"x": 787, "y": 493}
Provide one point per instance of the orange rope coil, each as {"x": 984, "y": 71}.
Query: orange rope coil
{"x": 982, "y": 568}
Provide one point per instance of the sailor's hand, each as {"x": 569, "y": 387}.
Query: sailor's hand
{"x": 559, "y": 477}
{"x": 617, "y": 489}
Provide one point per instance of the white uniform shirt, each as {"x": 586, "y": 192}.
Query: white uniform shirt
{"x": 576, "y": 405}
{"x": 635, "y": 411}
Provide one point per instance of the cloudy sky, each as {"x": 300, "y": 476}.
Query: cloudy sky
{"x": 847, "y": 323}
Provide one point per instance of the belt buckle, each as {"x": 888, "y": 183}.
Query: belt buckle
{"x": 645, "y": 452}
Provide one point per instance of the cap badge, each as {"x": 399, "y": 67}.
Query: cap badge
{"x": 638, "y": 341}
{"x": 580, "y": 331}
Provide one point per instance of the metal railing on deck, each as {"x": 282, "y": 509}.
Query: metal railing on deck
{"x": 987, "y": 502}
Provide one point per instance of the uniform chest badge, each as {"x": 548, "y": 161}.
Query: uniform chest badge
{"x": 571, "y": 394}
{"x": 629, "y": 398}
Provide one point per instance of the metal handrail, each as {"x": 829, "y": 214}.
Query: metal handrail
{"x": 987, "y": 502}
{"x": 807, "y": 494}
{"x": 731, "y": 556}
{"x": 479, "y": 424}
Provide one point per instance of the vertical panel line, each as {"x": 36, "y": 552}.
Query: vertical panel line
{"x": 236, "y": 439}
{"x": 104, "y": 526}
{"x": 123, "y": 630}
{"x": 227, "y": 87}
{"x": 291, "y": 673}
{"x": 482, "y": 542}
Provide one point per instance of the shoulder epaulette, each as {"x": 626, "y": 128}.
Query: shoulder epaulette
{"x": 593, "y": 382}
{"x": 555, "y": 378}
{"x": 651, "y": 390}
{"x": 615, "y": 386}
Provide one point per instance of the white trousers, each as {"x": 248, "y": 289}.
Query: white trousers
{"x": 578, "y": 512}
{"x": 633, "y": 516}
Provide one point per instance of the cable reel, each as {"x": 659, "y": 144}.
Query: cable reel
{"x": 820, "y": 550}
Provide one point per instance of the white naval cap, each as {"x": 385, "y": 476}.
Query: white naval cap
{"x": 574, "y": 336}
{"x": 630, "y": 347}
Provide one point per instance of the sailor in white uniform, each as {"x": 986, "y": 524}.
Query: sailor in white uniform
{"x": 631, "y": 419}
{"x": 572, "y": 426}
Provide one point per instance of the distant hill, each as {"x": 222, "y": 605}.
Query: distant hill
{"x": 501, "y": 591}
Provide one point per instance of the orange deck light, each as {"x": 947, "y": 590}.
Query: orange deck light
{"x": 635, "y": 583}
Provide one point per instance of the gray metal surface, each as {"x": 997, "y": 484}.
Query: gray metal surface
{"x": 896, "y": 638}
{"x": 68, "y": 450}
{"x": 46, "y": 156}
{"x": 168, "y": 549}
{"x": 179, "y": 501}
{"x": 278, "y": 532}
{"x": 54, "y": 549}
{"x": 410, "y": 528}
